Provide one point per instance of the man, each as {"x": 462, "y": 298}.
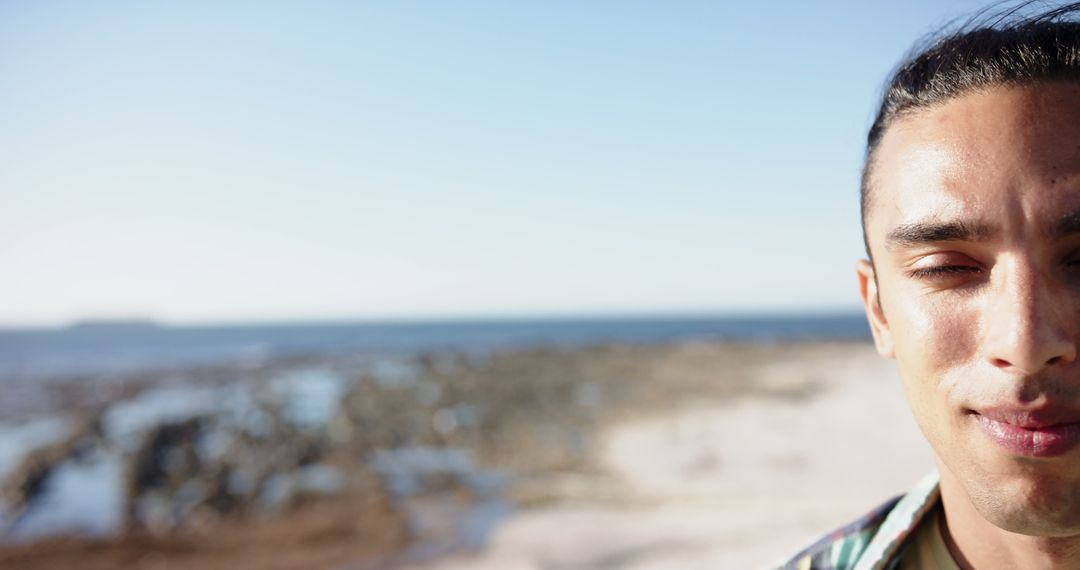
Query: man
{"x": 971, "y": 215}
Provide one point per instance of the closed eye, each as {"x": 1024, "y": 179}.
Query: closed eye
{"x": 943, "y": 271}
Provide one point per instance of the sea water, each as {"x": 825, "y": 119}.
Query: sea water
{"x": 27, "y": 354}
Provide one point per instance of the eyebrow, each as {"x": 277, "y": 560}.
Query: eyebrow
{"x": 919, "y": 233}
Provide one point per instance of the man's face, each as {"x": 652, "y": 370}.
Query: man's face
{"x": 974, "y": 229}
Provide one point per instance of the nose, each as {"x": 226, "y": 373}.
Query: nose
{"x": 1030, "y": 323}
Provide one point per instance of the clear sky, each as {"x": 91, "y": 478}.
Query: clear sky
{"x": 251, "y": 161}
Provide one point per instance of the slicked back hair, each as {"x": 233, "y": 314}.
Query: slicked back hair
{"x": 1017, "y": 44}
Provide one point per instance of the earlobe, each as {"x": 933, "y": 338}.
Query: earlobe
{"x": 879, "y": 325}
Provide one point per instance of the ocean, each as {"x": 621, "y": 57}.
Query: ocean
{"x": 116, "y": 349}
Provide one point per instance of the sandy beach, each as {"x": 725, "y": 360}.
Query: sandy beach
{"x": 729, "y": 485}
{"x": 688, "y": 455}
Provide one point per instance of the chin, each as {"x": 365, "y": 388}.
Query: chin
{"x": 1029, "y": 502}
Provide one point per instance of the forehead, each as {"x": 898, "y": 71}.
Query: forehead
{"x": 1003, "y": 156}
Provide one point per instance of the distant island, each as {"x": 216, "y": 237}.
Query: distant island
{"x": 114, "y": 325}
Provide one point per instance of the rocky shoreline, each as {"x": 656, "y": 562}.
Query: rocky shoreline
{"x": 349, "y": 461}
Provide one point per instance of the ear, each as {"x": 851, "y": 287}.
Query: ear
{"x": 868, "y": 289}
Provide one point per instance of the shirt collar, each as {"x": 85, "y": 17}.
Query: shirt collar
{"x": 899, "y": 525}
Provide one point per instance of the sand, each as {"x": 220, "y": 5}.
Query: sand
{"x": 737, "y": 485}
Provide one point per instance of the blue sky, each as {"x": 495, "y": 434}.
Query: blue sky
{"x": 253, "y": 161}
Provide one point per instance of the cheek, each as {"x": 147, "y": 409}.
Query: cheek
{"x": 935, "y": 332}
{"x": 936, "y": 339}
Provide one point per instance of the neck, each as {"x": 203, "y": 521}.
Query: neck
{"x": 975, "y": 542}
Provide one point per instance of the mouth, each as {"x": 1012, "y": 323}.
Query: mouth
{"x": 1048, "y": 431}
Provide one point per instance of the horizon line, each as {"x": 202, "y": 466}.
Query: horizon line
{"x": 508, "y": 317}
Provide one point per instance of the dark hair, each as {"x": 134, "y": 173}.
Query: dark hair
{"x": 998, "y": 46}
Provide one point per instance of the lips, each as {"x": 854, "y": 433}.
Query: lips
{"x": 1047, "y": 431}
